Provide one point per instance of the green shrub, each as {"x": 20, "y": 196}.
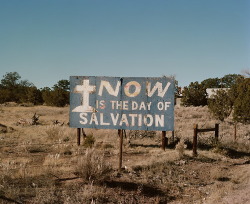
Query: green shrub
{"x": 53, "y": 132}
{"x": 241, "y": 95}
{"x": 108, "y": 146}
{"x": 220, "y": 105}
{"x": 194, "y": 95}
{"x": 89, "y": 141}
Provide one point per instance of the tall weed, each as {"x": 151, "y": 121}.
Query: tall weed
{"x": 92, "y": 167}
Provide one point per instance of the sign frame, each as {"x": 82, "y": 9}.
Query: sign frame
{"x": 130, "y": 103}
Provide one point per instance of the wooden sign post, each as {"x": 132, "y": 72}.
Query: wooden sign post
{"x": 164, "y": 142}
{"x": 120, "y": 133}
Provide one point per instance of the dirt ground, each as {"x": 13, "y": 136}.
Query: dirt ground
{"x": 38, "y": 163}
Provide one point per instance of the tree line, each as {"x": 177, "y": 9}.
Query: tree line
{"x": 13, "y": 89}
{"x": 235, "y": 100}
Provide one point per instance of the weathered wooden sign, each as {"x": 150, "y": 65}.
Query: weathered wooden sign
{"x": 135, "y": 103}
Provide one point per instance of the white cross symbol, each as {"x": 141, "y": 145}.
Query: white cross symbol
{"x": 85, "y": 89}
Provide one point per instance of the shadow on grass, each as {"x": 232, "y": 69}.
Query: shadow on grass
{"x": 223, "y": 179}
{"x": 200, "y": 159}
{"x": 146, "y": 190}
{"x": 143, "y": 145}
{"x": 233, "y": 154}
{"x": 230, "y": 152}
{"x": 9, "y": 200}
{"x": 227, "y": 151}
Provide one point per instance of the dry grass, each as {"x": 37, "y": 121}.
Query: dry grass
{"x": 43, "y": 164}
{"x": 187, "y": 116}
{"x": 180, "y": 148}
{"x": 92, "y": 167}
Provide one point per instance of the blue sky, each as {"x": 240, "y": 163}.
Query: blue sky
{"x": 49, "y": 40}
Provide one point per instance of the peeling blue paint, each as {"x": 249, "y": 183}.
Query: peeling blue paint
{"x": 135, "y": 103}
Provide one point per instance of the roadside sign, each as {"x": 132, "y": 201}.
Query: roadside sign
{"x": 135, "y": 103}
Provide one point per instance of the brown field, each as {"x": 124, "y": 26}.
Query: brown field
{"x": 43, "y": 164}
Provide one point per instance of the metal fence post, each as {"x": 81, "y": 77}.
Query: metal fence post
{"x": 195, "y": 140}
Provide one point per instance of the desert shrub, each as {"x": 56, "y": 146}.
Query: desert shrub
{"x": 51, "y": 163}
{"x": 180, "y": 148}
{"x": 220, "y": 105}
{"x": 66, "y": 139}
{"x": 241, "y": 95}
{"x": 33, "y": 96}
{"x": 236, "y": 99}
{"x": 58, "y": 95}
{"x": 194, "y": 95}
{"x": 108, "y": 146}
{"x": 36, "y": 149}
{"x": 51, "y": 160}
{"x": 53, "y": 132}
{"x": 92, "y": 167}
{"x": 89, "y": 141}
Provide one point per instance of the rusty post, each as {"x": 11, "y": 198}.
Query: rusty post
{"x": 163, "y": 138}
{"x": 235, "y": 131}
{"x": 216, "y": 134}
{"x": 78, "y": 136}
{"x": 120, "y": 133}
{"x": 195, "y": 140}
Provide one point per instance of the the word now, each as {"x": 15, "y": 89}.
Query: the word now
{"x": 87, "y": 88}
